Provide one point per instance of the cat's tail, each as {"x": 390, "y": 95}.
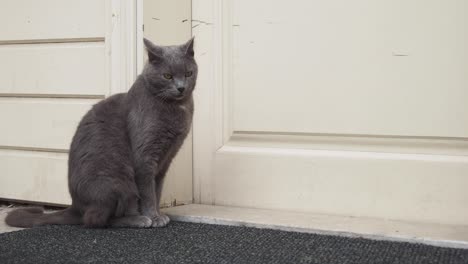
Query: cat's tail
{"x": 34, "y": 216}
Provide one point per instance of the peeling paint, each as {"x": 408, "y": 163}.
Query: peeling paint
{"x": 202, "y": 22}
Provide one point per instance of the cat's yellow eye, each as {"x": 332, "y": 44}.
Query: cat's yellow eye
{"x": 188, "y": 74}
{"x": 168, "y": 76}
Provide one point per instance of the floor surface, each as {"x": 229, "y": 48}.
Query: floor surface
{"x": 426, "y": 233}
{"x": 182, "y": 242}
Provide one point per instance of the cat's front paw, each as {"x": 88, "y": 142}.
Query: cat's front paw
{"x": 160, "y": 220}
{"x": 142, "y": 222}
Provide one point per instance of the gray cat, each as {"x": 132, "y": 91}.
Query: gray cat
{"x": 124, "y": 145}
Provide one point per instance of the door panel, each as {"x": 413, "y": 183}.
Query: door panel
{"x": 39, "y": 176}
{"x": 355, "y": 67}
{"x": 414, "y": 187}
{"x": 46, "y": 123}
{"x": 335, "y": 107}
{"x": 32, "y": 21}
{"x": 51, "y": 68}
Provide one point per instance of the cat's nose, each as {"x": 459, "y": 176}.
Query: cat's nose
{"x": 181, "y": 89}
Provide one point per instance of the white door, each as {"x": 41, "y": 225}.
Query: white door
{"x": 338, "y": 107}
{"x": 52, "y": 69}
{"x": 57, "y": 59}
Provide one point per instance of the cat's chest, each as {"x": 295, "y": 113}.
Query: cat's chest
{"x": 176, "y": 120}
{"x": 182, "y": 120}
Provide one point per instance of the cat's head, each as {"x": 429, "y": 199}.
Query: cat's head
{"x": 171, "y": 71}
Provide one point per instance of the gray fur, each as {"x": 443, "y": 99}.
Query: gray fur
{"x": 124, "y": 145}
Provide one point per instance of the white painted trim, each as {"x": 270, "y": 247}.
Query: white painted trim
{"x": 208, "y": 123}
{"x": 225, "y": 32}
{"x": 140, "y": 63}
{"x": 368, "y": 155}
{"x": 212, "y": 127}
{"x": 122, "y": 45}
{"x": 366, "y": 143}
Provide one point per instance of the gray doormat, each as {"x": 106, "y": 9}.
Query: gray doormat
{"x": 200, "y": 243}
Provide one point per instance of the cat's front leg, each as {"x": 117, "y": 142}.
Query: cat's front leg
{"x": 145, "y": 181}
{"x": 161, "y": 219}
{"x": 150, "y": 187}
{"x": 155, "y": 160}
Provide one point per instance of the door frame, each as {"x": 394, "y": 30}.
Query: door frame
{"x": 211, "y": 123}
{"x": 125, "y": 43}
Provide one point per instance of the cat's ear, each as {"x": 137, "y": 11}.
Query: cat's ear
{"x": 188, "y": 47}
{"x": 154, "y": 52}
